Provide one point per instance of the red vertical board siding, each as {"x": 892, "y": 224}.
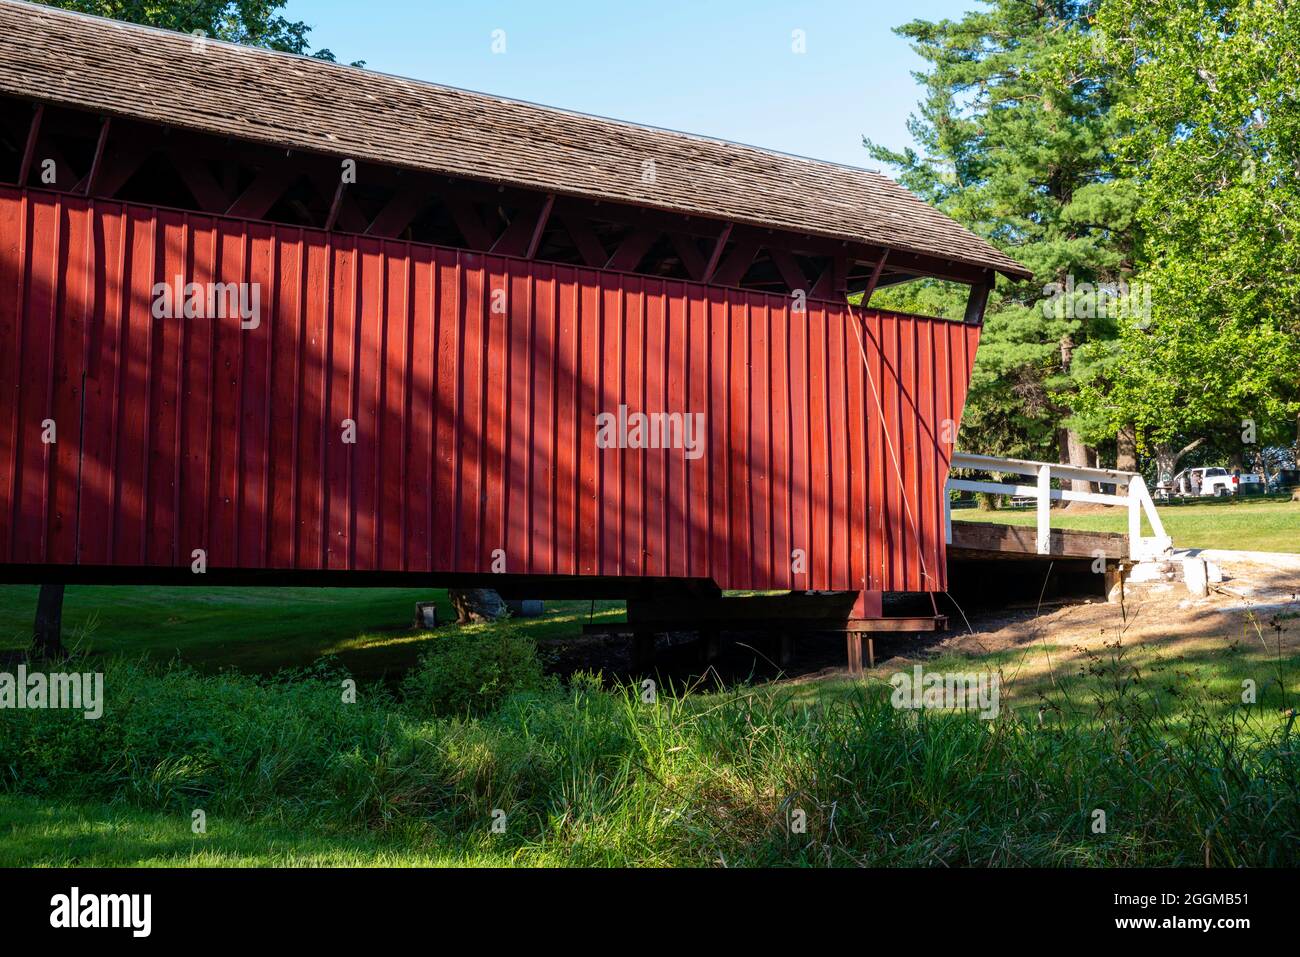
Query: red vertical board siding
{"x": 472, "y": 384}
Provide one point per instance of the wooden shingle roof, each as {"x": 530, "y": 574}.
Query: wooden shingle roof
{"x": 297, "y": 102}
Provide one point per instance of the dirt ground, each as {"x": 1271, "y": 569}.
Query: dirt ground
{"x": 1256, "y": 602}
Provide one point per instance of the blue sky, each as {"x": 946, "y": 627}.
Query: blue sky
{"x": 724, "y": 69}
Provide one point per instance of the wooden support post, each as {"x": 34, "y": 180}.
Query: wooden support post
{"x": 29, "y": 152}
{"x": 1114, "y": 583}
{"x": 785, "y": 649}
{"x": 335, "y": 205}
{"x": 869, "y": 604}
{"x": 88, "y": 184}
{"x": 47, "y": 640}
{"x": 875, "y": 278}
{"x": 854, "y": 640}
{"x": 979, "y": 297}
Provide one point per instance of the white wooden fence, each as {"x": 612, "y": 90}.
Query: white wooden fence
{"x": 1130, "y": 492}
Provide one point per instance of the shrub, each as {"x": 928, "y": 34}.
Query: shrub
{"x": 471, "y": 672}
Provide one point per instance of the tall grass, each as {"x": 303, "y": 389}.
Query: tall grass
{"x": 590, "y": 776}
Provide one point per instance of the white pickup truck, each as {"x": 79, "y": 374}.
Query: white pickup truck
{"x": 1216, "y": 482}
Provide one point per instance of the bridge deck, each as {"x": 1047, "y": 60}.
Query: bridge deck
{"x": 990, "y": 540}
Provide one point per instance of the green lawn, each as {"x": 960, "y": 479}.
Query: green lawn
{"x": 260, "y": 629}
{"x": 1178, "y": 683}
{"x": 36, "y": 833}
{"x": 1264, "y": 525}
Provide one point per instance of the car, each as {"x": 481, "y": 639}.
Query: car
{"x": 1216, "y": 481}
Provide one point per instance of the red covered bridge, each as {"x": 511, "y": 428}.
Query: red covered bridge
{"x": 285, "y": 320}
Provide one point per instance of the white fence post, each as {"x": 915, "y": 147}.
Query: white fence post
{"x": 947, "y": 514}
{"x": 1134, "y": 517}
{"x": 1045, "y": 510}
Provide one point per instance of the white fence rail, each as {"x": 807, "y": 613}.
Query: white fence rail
{"x": 1130, "y": 492}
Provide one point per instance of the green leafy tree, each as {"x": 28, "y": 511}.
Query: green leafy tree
{"x": 1210, "y": 102}
{"x": 1015, "y": 134}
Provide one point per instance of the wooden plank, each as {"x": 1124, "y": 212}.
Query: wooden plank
{"x": 990, "y": 537}
{"x": 915, "y": 624}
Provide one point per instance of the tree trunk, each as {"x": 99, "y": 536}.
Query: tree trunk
{"x": 1167, "y": 459}
{"x": 1126, "y": 455}
{"x": 477, "y": 604}
{"x": 47, "y": 639}
{"x": 1073, "y": 450}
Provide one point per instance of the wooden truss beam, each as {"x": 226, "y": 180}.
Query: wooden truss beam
{"x": 689, "y": 254}
{"x": 715, "y": 257}
{"x": 517, "y": 237}
{"x": 632, "y": 250}
{"x": 791, "y": 272}
{"x": 203, "y": 186}
{"x": 29, "y": 151}
{"x": 467, "y": 220}
{"x": 267, "y": 187}
{"x": 585, "y": 239}
{"x": 87, "y": 183}
{"x": 402, "y": 209}
{"x": 542, "y": 218}
{"x": 737, "y": 262}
